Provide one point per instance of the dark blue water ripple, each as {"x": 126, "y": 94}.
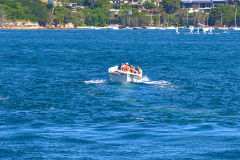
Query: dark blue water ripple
{"x": 57, "y": 101}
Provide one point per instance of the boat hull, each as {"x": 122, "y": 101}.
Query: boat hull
{"x": 119, "y": 76}
{"x": 124, "y": 78}
{"x": 236, "y": 28}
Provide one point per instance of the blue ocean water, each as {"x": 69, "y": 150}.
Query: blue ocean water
{"x": 57, "y": 101}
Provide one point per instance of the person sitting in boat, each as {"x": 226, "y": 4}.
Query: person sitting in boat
{"x": 126, "y": 68}
{"x": 132, "y": 69}
{"x": 122, "y": 66}
{"x": 119, "y": 67}
{"x": 139, "y": 71}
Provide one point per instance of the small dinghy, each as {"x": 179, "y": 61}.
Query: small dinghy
{"x": 117, "y": 75}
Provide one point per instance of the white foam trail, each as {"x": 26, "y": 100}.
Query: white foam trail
{"x": 3, "y": 98}
{"x": 95, "y": 81}
{"x": 145, "y": 79}
{"x": 160, "y": 83}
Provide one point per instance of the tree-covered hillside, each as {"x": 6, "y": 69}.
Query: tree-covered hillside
{"x": 94, "y": 13}
{"x": 32, "y": 10}
{"x": 97, "y": 13}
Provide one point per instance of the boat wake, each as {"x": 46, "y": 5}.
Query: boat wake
{"x": 100, "y": 81}
{"x": 3, "y": 98}
{"x": 160, "y": 83}
{"x": 145, "y": 80}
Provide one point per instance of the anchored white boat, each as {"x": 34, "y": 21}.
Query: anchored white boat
{"x": 113, "y": 27}
{"x": 191, "y": 28}
{"x": 151, "y": 27}
{"x": 171, "y": 28}
{"x": 161, "y": 28}
{"x": 94, "y": 28}
{"x": 117, "y": 75}
{"x": 236, "y": 28}
{"x": 206, "y": 30}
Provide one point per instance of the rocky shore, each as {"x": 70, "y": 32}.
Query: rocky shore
{"x": 27, "y": 25}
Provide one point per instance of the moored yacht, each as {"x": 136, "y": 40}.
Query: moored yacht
{"x": 171, "y": 28}
{"x": 236, "y": 28}
{"x": 222, "y": 28}
{"x": 113, "y": 27}
{"x": 191, "y": 28}
{"x": 128, "y": 28}
{"x": 161, "y": 28}
{"x": 207, "y": 30}
{"x": 151, "y": 27}
{"x": 94, "y": 28}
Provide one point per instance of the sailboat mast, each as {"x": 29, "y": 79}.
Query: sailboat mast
{"x": 198, "y": 14}
{"x": 236, "y": 14}
{"x": 207, "y": 18}
{"x": 127, "y": 20}
{"x": 168, "y": 20}
{"x": 52, "y": 16}
{"x": 159, "y": 18}
{"x": 2, "y": 20}
{"x": 151, "y": 18}
{"x": 221, "y": 18}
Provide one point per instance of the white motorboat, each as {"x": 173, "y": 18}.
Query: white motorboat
{"x": 171, "y": 28}
{"x": 113, "y": 27}
{"x": 222, "y": 28}
{"x": 161, "y": 28}
{"x": 191, "y": 28}
{"x": 117, "y": 75}
{"x": 205, "y": 30}
{"x": 198, "y": 31}
{"x": 236, "y": 28}
{"x": 94, "y": 28}
{"x": 128, "y": 28}
{"x": 210, "y": 31}
{"x": 151, "y": 27}
{"x": 177, "y": 32}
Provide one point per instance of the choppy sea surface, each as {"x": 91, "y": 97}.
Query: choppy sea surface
{"x": 57, "y": 102}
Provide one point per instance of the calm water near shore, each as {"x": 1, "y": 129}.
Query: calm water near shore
{"x": 57, "y": 101}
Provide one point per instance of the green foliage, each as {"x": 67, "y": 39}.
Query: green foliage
{"x": 180, "y": 17}
{"x": 227, "y": 12}
{"x": 96, "y": 13}
{"x": 171, "y": 6}
{"x": 149, "y": 5}
{"x": 33, "y": 10}
{"x": 97, "y": 4}
{"x": 136, "y": 19}
{"x": 97, "y": 17}
{"x": 76, "y": 1}
{"x": 64, "y": 15}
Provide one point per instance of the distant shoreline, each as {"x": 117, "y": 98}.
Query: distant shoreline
{"x": 45, "y": 28}
{"x": 89, "y": 28}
